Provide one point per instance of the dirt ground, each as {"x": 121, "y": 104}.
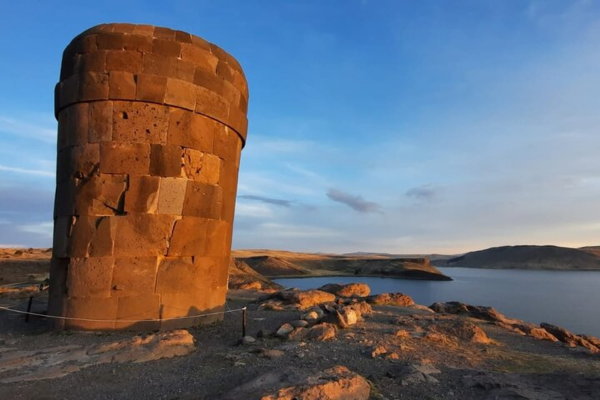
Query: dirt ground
{"x": 510, "y": 364}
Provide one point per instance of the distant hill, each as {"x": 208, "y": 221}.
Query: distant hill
{"x": 279, "y": 264}
{"x": 528, "y": 257}
{"x": 592, "y": 249}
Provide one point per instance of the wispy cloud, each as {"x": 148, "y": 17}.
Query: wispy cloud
{"x": 423, "y": 192}
{"x": 38, "y": 127}
{"x": 357, "y": 203}
{"x": 268, "y": 200}
{"x": 44, "y": 229}
{"x": 37, "y": 172}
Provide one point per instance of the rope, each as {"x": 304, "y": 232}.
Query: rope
{"x": 120, "y": 320}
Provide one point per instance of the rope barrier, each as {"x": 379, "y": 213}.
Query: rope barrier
{"x": 121, "y": 320}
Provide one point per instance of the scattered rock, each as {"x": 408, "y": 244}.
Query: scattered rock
{"x": 299, "y": 323}
{"x": 391, "y": 299}
{"x": 402, "y": 333}
{"x": 363, "y": 309}
{"x": 284, "y": 330}
{"x": 322, "y": 332}
{"x": 349, "y": 290}
{"x": 485, "y": 313}
{"x": 462, "y": 330}
{"x": 378, "y": 351}
{"x": 248, "y": 340}
{"x": 411, "y": 374}
{"x": 311, "y": 316}
{"x": 392, "y": 356}
{"x": 272, "y": 353}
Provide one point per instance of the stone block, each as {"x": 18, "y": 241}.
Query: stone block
{"x": 181, "y": 94}
{"x": 85, "y": 160}
{"x": 136, "y": 308}
{"x": 142, "y": 194}
{"x": 155, "y": 64}
{"x": 189, "y": 237}
{"x": 187, "y": 129}
{"x": 135, "y": 42}
{"x": 217, "y": 238}
{"x": 184, "y": 70}
{"x": 145, "y": 30}
{"x": 121, "y": 85}
{"x": 201, "y": 58}
{"x": 92, "y": 62}
{"x": 178, "y": 309}
{"x": 165, "y": 160}
{"x": 223, "y": 55}
{"x": 209, "y": 81}
{"x": 143, "y": 235}
{"x": 103, "y": 241}
{"x": 76, "y": 127}
{"x": 100, "y": 121}
{"x": 134, "y": 276}
{"x": 90, "y": 277}
{"x": 123, "y": 28}
{"x": 171, "y": 195}
{"x": 110, "y": 41}
{"x": 227, "y": 145}
{"x": 84, "y": 44}
{"x": 164, "y": 33}
{"x": 183, "y": 37}
{"x": 211, "y": 104}
{"x": 151, "y": 88}
{"x": 201, "y": 167}
{"x": 124, "y": 158}
{"x": 104, "y": 310}
{"x": 101, "y": 194}
{"x": 64, "y": 198}
{"x": 203, "y": 200}
{"x": 82, "y": 232}
{"x": 166, "y": 48}
{"x": 138, "y": 122}
{"x": 176, "y": 275}
{"x": 238, "y": 122}
{"x": 225, "y": 71}
{"x": 62, "y": 231}
{"x": 93, "y": 86}
{"x": 201, "y": 43}
{"x": 58, "y": 277}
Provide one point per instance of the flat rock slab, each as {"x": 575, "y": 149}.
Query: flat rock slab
{"x": 56, "y": 362}
{"x": 337, "y": 383}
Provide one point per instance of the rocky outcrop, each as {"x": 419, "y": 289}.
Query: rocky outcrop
{"x": 56, "y": 362}
{"x": 543, "y": 332}
{"x": 337, "y": 383}
{"x": 349, "y": 290}
{"x": 391, "y": 299}
{"x": 243, "y": 277}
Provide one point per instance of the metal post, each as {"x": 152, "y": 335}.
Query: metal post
{"x": 244, "y": 321}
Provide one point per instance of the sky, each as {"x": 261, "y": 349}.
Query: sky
{"x": 384, "y": 126}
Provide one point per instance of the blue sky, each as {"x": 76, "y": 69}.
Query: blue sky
{"x": 390, "y": 126}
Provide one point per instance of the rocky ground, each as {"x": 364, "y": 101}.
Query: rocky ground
{"x": 335, "y": 343}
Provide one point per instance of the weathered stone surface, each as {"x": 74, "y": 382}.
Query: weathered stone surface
{"x": 391, "y": 299}
{"x": 349, "y": 290}
{"x": 146, "y": 176}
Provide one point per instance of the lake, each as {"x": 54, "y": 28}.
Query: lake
{"x": 570, "y": 299}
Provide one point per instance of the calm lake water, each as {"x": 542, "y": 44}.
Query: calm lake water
{"x": 566, "y": 298}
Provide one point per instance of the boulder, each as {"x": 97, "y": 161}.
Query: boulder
{"x": 337, "y": 383}
{"x": 411, "y": 374}
{"x": 305, "y": 299}
{"x": 462, "y": 330}
{"x": 284, "y": 330}
{"x": 299, "y": 323}
{"x": 569, "y": 338}
{"x": 485, "y": 313}
{"x": 391, "y": 299}
{"x": 362, "y": 308}
{"x": 322, "y": 332}
{"x": 349, "y": 290}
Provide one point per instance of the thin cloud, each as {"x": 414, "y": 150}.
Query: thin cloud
{"x": 424, "y": 192}
{"x": 37, "y": 172}
{"x": 357, "y": 203}
{"x": 39, "y": 130}
{"x": 268, "y": 200}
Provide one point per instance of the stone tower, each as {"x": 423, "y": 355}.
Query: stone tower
{"x": 151, "y": 123}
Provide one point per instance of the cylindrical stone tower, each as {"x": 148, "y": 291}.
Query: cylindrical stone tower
{"x": 151, "y": 123}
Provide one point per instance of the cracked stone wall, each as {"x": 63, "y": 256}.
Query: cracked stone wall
{"x": 151, "y": 126}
